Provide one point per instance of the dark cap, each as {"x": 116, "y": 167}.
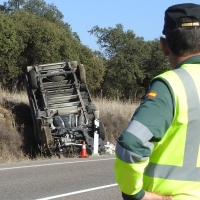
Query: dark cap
{"x": 175, "y": 12}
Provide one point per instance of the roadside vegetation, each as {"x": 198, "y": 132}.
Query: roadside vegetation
{"x": 16, "y": 129}
{"x": 33, "y": 32}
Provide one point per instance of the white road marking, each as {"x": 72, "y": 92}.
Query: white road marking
{"x": 78, "y": 192}
{"x": 51, "y": 164}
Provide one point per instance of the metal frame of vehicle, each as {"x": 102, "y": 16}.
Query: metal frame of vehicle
{"x": 62, "y": 109}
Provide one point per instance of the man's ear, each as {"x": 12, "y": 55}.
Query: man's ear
{"x": 164, "y": 46}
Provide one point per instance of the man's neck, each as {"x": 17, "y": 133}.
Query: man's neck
{"x": 175, "y": 60}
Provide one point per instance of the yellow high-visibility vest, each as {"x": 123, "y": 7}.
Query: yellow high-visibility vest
{"x": 174, "y": 166}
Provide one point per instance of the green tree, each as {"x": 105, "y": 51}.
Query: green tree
{"x": 14, "y": 4}
{"x": 125, "y": 53}
{"x": 8, "y": 49}
{"x": 95, "y": 67}
{"x": 38, "y": 35}
{"x": 131, "y": 62}
{"x": 42, "y": 41}
{"x": 155, "y": 64}
{"x": 11, "y": 5}
{"x": 39, "y": 7}
{"x": 35, "y": 7}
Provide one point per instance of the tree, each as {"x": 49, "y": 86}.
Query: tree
{"x": 42, "y": 41}
{"x": 155, "y": 64}
{"x": 131, "y": 62}
{"x": 35, "y": 7}
{"x": 15, "y": 4}
{"x": 12, "y": 5}
{"x": 36, "y": 40}
{"x": 8, "y": 49}
{"x": 95, "y": 67}
{"x": 33, "y": 33}
{"x": 39, "y": 7}
{"x": 125, "y": 53}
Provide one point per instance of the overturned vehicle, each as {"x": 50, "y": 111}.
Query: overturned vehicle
{"x": 62, "y": 109}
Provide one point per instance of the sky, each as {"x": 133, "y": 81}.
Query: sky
{"x": 144, "y": 17}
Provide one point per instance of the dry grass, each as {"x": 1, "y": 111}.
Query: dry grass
{"x": 115, "y": 115}
{"x": 10, "y": 139}
{"x": 16, "y": 128}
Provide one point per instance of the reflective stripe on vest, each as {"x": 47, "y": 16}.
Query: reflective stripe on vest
{"x": 141, "y": 132}
{"x": 189, "y": 170}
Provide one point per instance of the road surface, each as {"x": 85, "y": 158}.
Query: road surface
{"x": 70, "y": 178}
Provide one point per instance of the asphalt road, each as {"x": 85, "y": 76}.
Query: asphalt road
{"x": 70, "y": 178}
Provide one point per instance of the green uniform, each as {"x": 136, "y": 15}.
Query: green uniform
{"x": 148, "y": 147}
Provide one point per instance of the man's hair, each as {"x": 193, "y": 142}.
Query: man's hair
{"x": 184, "y": 40}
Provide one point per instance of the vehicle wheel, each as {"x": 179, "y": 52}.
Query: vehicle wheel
{"x": 80, "y": 73}
{"x": 55, "y": 78}
{"x": 33, "y": 79}
{"x": 46, "y": 141}
{"x": 91, "y": 108}
{"x": 46, "y": 136}
{"x": 37, "y": 126}
{"x": 83, "y": 87}
{"x": 102, "y": 132}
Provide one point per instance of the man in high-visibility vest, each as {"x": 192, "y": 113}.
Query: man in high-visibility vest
{"x": 158, "y": 154}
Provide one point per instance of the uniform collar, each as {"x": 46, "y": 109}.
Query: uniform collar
{"x": 191, "y": 60}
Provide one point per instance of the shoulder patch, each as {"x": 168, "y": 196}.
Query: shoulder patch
{"x": 151, "y": 94}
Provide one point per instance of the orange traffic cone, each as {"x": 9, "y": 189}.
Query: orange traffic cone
{"x": 83, "y": 151}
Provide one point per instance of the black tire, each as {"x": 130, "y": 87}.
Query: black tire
{"x": 80, "y": 73}
{"x": 102, "y": 132}
{"x": 46, "y": 136}
{"x": 83, "y": 87}
{"x": 91, "y": 108}
{"x": 32, "y": 79}
{"x": 37, "y": 123}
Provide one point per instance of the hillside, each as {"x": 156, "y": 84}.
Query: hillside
{"x": 16, "y": 128}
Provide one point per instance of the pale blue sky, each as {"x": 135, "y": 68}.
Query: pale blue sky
{"x": 144, "y": 17}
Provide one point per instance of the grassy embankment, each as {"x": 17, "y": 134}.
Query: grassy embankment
{"x": 16, "y": 128}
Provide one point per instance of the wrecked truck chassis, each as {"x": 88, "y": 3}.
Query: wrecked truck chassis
{"x": 62, "y": 109}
